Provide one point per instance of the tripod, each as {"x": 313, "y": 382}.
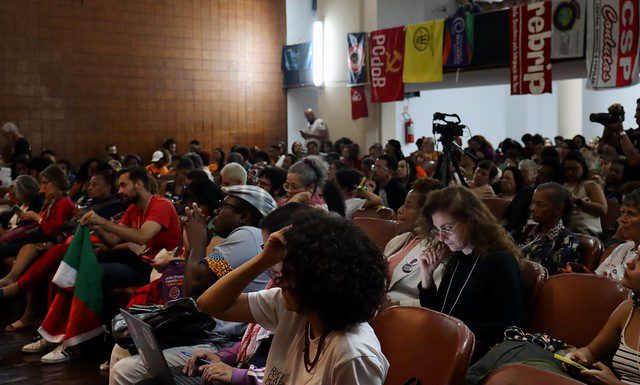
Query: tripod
{"x": 447, "y": 161}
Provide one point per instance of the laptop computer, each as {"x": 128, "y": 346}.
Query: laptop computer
{"x": 151, "y": 354}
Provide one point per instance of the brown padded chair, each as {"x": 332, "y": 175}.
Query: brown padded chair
{"x": 519, "y": 374}
{"x": 422, "y": 343}
{"x": 574, "y": 307}
{"x": 381, "y": 213}
{"x": 590, "y": 249}
{"x": 533, "y": 277}
{"x": 380, "y": 231}
{"x": 497, "y": 206}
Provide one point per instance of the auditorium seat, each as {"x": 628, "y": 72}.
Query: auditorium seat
{"x": 381, "y": 213}
{"x": 497, "y": 206}
{"x": 574, "y": 307}
{"x": 380, "y": 231}
{"x": 590, "y": 249}
{"x": 422, "y": 343}
{"x": 519, "y": 374}
{"x": 533, "y": 277}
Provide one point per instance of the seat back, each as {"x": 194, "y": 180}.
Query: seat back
{"x": 533, "y": 277}
{"x": 527, "y": 375}
{"x": 422, "y": 343}
{"x": 379, "y": 213}
{"x": 609, "y": 221}
{"x": 574, "y": 307}
{"x": 497, "y": 206}
{"x": 380, "y": 231}
{"x": 590, "y": 249}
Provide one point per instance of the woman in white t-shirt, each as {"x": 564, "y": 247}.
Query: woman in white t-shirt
{"x": 356, "y": 195}
{"x": 332, "y": 282}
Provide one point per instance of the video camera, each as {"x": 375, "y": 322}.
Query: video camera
{"x": 605, "y": 118}
{"x": 447, "y": 126}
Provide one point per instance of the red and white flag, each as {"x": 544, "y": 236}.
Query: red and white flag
{"x": 386, "y": 55}
{"x": 358, "y": 103}
{"x": 530, "y": 54}
{"x": 612, "y": 43}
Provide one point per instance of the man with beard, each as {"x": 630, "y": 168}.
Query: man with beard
{"x": 149, "y": 225}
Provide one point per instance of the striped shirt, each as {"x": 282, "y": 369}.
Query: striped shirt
{"x": 626, "y": 361}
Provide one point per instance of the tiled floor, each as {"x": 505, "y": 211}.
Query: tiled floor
{"x": 26, "y": 369}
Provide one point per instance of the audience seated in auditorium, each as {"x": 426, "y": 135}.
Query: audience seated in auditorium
{"x": 588, "y": 197}
{"x": 388, "y": 187}
{"x": 512, "y": 182}
{"x": 402, "y": 252}
{"x": 159, "y": 162}
{"x": 614, "y": 178}
{"x": 332, "y": 282}
{"x": 354, "y": 192}
{"x": 19, "y": 144}
{"x": 233, "y": 174}
{"x": 528, "y": 168}
{"x": 272, "y": 180}
{"x": 406, "y": 173}
{"x": 481, "y": 283}
{"x": 629, "y": 221}
{"x": 305, "y": 180}
{"x": 549, "y": 242}
{"x": 485, "y": 173}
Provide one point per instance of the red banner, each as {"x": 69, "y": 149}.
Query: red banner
{"x": 386, "y": 55}
{"x": 358, "y": 103}
{"x": 530, "y": 37}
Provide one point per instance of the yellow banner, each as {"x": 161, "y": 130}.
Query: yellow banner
{"x": 423, "y": 52}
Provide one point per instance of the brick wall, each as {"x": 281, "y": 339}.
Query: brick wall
{"x": 76, "y": 74}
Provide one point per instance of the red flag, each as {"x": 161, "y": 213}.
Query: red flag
{"x": 530, "y": 36}
{"x": 386, "y": 48}
{"x": 358, "y": 103}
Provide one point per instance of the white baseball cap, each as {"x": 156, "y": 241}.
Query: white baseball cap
{"x": 157, "y": 155}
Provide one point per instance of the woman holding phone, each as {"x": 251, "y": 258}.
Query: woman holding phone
{"x": 618, "y": 342}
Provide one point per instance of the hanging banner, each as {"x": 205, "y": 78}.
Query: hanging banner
{"x": 356, "y": 57}
{"x": 612, "y": 43}
{"x": 423, "y": 52}
{"x": 358, "y": 103}
{"x": 386, "y": 55}
{"x": 567, "y": 36}
{"x": 296, "y": 65}
{"x": 530, "y": 53}
{"x": 458, "y": 40}
{"x": 491, "y": 39}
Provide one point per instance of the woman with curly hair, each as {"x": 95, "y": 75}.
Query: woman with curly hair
{"x": 481, "y": 147}
{"x": 331, "y": 283}
{"x": 305, "y": 180}
{"x": 481, "y": 283}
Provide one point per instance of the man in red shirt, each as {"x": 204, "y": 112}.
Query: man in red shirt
{"x": 149, "y": 224}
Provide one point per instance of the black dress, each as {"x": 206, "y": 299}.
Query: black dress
{"x": 490, "y": 301}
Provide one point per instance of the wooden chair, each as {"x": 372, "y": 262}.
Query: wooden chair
{"x": 519, "y": 374}
{"x": 422, "y": 343}
{"x": 381, "y": 213}
{"x": 378, "y": 230}
{"x": 497, "y": 206}
{"x": 574, "y": 307}
{"x": 590, "y": 249}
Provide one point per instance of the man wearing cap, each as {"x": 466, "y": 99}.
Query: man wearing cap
{"x": 242, "y": 210}
{"x": 158, "y": 165}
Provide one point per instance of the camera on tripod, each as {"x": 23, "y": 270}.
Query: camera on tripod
{"x": 605, "y": 118}
{"x": 447, "y": 125}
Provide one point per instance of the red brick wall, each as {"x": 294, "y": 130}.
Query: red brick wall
{"x": 76, "y": 74}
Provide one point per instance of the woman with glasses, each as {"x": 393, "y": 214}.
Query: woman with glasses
{"x": 588, "y": 196}
{"x": 305, "y": 180}
{"x": 481, "y": 283}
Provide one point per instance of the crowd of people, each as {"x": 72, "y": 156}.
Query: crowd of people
{"x": 264, "y": 240}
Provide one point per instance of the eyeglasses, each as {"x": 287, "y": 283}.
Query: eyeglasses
{"x": 291, "y": 187}
{"x": 227, "y": 205}
{"x": 446, "y": 230}
{"x": 379, "y": 166}
{"x": 263, "y": 184}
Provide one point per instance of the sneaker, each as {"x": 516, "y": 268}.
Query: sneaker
{"x": 59, "y": 354}
{"x": 38, "y": 345}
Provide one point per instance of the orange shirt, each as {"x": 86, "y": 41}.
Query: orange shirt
{"x": 152, "y": 168}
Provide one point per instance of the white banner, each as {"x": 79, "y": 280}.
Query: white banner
{"x": 612, "y": 43}
{"x": 567, "y": 35}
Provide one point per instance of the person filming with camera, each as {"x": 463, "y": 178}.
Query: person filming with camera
{"x": 627, "y": 141}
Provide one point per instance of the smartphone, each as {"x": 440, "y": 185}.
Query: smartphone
{"x": 569, "y": 362}
{"x": 17, "y": 210}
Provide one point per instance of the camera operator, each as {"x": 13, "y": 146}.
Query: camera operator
{"x": 627, "y": 141}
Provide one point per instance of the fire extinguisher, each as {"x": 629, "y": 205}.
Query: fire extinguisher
{"x": 408, "y": 128}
